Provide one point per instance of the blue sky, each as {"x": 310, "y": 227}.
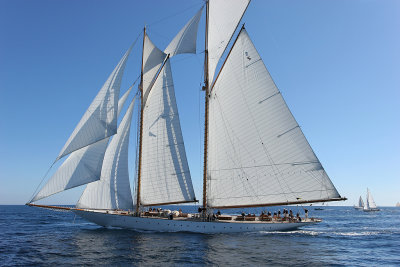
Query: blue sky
{"x": 337, "y": 64}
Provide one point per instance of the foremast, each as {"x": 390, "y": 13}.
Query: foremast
{"x": 206, "y": 88}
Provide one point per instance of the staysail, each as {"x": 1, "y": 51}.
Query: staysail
{"x": 258, "y": 155}
{"x": 223, "y": 18}
{"x": 185, "y": 40}
{"x": 81, "y": 167}
{"x": 165, "y": 175}
{"x": 112, "y": 191}
{"x": 100, "y": 119}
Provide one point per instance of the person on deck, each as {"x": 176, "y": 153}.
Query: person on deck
{"x": 306, "y": 213}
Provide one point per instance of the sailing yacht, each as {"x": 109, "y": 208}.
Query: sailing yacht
{"x": 360, "y": 204}
{"x": 255, "y": 154}
{"x": 370, "y": 203}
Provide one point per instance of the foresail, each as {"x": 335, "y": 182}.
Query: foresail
{"x": 165, "y": 175}
{"x": 112, "y": 191}
{"x": 81, "y": 167}
{"x": 152, "y": 61}
{"x": 100, "y": 119}
{"x": 223, "y": 19}
{"x": 185, "y": 40}
{"x": 257, "y": 153}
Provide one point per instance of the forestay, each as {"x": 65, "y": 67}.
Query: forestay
{"x": 112, "y": 191}
{"x": 223, "y": 19}
{"x": 257, "y": 153}
{"x": 100, "y": 119}
{"x": 81, "y": 167}
{"x": 165, "y": 175}
{"x": 152, "y": 61}
{"x": 185, "y": 40}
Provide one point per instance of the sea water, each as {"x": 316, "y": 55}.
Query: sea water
{"x": 34, "y": 236}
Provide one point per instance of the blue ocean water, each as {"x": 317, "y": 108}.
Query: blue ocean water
{"x": 33, "y": 236}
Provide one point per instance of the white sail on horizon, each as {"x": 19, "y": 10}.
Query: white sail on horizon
{"x": 370, "y": 203}
{"x": 100, "y": 119}
{"x": 165, "y": 176}
{"x": 224, "y": 17}
{"x": 360, "y": 202}
{"x": 113, "y": 190}
{"x": 257, "y": 154}
{"x": 81, "y": 167}
{"x": 185, "y": 41}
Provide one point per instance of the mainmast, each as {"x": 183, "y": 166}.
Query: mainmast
{"x": 141, "y": 130}
{"x": 206, "y": 88}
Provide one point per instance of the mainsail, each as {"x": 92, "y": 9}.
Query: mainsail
{"x": 258, "y": 155}
{"x": 370, "y": 201}
{"x": 100, "y": 119}
{"x": 112, "y": 191}
{"x": 223, "y": 18}
{"x": 81, "y": 167}
{"x": 165, "y": 175}
{"x": 185, "y": 40}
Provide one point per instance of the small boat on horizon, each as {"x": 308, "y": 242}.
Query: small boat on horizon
{"x": 360, "y": 204}
{"x": 370, "y": 205}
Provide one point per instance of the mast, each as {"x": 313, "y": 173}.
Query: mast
{"x": 141, "y": 129}
{"x": 206, "y": 88}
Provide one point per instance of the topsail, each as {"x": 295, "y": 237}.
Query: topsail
{"x": 185, "y": 40}
{"x": 224, "y": 17}
{"x": 152, "y": 61}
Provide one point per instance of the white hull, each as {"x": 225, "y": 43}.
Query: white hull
{"x": 372, "y": 209}
{"x": 358, "y": 208}
{"x": 182, "y": 225}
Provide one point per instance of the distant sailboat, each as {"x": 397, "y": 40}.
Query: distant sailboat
{"x": 255, "y": 154}
{"x": 370, "y": 205}
{"x": 360, "y": 204}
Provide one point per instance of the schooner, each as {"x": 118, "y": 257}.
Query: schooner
{"x": 255, "y": 154}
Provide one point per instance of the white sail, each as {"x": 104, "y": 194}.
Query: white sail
{"x": 165, "y": 175}
{"x": 81, "y": 167}
{"x": 152, "y": 61}
{"x": 223, "y": 19}
{"x": 360, "y": 202}
{"x": 100, "y": 119}
{"x": 112, "y": 191}
{"x": 370, "y": 201}
{"x": 257, "y": 152}
{"x": 185, "y": 40}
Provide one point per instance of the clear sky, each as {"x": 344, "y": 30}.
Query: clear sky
{"x": 336, "y": 62}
